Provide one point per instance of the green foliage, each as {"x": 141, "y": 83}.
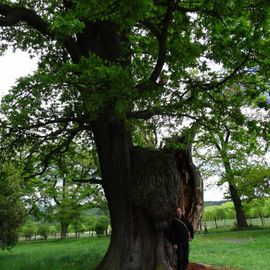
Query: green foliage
{"x": 224, "y": 36}
{"x": 64, "y": 95}
{"x": 67, "y": 184}
{"x": 229, "y": 211}
{"x": 109, "y": 84}
{"x": 64, "y": 192}
{"x": 219, "y": 212}
{"x": 66, "y": 25}
{"x": 11, "y": 208}
{"x": 228, "y": 148}
{"x": 258, "y": 207}
{"x": 254, "y": 181}
{"x": 29, "y": 229}
{"x": 101, "y": 225}
{"x": 44, "y": 230}
{"x": 52, "y": 229}
{"x": 90, "y": 222}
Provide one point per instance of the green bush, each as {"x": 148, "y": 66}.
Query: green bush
{"x": 29, "y": 229}
{"x": 11, "y": 208}
{"x": 43, "y": 230}
{"x": 101, "y": 225}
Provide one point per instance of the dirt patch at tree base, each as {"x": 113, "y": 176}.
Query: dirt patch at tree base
{"x": 199, "y": 266}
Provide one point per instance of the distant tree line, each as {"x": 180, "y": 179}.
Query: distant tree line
{"x": 91, "y": 225}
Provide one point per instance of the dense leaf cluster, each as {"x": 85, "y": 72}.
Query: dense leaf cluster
{"x": 11, "y": 208}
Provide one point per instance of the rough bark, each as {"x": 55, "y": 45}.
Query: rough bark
{"x": 192, "y": 185}
{"x": 143, "y": 188}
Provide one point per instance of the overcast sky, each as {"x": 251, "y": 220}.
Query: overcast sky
{"x": 14, "y": 65}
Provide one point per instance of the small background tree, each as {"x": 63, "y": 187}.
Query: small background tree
{"x": 11, "y": 208}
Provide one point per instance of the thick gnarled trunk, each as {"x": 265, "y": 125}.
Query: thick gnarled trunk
{"x": 142, "y": 187}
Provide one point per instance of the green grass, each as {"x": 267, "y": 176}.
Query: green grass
{"x": 245, "y": 250}
{"x": 73, "y": 254}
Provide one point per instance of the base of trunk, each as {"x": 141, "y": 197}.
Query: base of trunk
{"x": 199, "y": 266}
{"x": 143, "y": 248}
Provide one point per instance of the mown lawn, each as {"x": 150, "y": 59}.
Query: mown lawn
{"x": 70, "y": 254}
{"x": 245, "y": 250}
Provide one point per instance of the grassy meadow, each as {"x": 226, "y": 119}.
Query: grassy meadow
{"x": 70, "y": 254}
{"x": 246, "y": 250}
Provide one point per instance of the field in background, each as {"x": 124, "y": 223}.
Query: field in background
{"x": 246, "y": 250}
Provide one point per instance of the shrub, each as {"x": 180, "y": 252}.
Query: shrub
{"x": 43, "y": 230}
{"x": 29, "y": 229}
{"x": 101, "y": 225}
{"x": 11, "y": 208}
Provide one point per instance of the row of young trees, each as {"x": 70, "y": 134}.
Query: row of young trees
{"x": 257, "y": 208}
{"x": 94, "y": 225}
{"x": 108, "y": 69}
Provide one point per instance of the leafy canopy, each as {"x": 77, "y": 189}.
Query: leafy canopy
{"x": 131, "y": 60}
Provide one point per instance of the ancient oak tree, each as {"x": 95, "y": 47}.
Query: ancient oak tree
{"x": 106, "y": 65}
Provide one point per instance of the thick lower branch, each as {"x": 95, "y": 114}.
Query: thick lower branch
{"x": 10, "y": 16}
{"x": 13, "y": 15}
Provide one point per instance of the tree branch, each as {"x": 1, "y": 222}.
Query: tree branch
{"x": 13, "y": 15}
{"x": 163, "y": 111}
{"x": 59, "y": 149}
{"x": 218, "y": 147}
{"x": 10, "y": 16}
{"x": 90, "y": 180}
{"x": 213, "y": 85}
{"x": 162, "y": 40}
{"x": 38, "y": 124}
{"x": 194, "y": 9}
{"x": 227, "y": 134}
{"x": 29, "y": 212}
{"x": 153, "y": 28}
{"x": 208, "y": 12}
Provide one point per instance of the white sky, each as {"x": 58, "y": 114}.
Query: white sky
{"x": 14, "y": 65}
{"x": 212, "y": 192}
